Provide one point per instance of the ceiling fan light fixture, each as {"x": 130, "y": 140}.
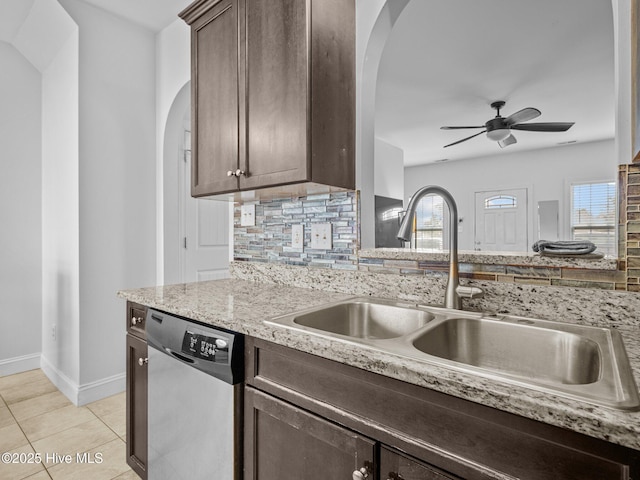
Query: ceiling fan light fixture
{"x": 498, "y": 134}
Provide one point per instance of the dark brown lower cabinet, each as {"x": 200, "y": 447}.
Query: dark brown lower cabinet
{"x": 286, "y": 442}
{"x": 137, "y": 404}
{"x": 396, "y": 466}
{"x": 305, "y": 410}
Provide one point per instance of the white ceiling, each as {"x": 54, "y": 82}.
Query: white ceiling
{"x": 152, "y": 14}
{"x": 447, "y": 60}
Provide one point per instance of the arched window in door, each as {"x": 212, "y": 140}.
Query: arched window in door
{"x": 501, "y": 201}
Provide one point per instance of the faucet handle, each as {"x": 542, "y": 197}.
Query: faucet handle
{"x": 469, "y": 292}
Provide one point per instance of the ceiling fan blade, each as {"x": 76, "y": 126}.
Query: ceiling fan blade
{"x": 464, "y": 139}
{"x": 543, "y": 127}
{"x": 523, "y": 115}
{"x": 510, "y": 140}
{"x": 456, "y": 128}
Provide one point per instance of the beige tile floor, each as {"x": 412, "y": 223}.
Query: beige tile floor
{"x": 39, "y": 422}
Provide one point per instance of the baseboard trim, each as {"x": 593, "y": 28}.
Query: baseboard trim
{"x": 100, "y": 389}
{"x": 21, "y": 364}
{"x": 68, "y": 387}
{"x": 83, "y": 394}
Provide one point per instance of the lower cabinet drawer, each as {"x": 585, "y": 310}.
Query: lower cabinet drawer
{"x": 136, "y": 318}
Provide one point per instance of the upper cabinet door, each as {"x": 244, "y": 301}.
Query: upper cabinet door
{"x": 214, "y": 104}
{"x": 273, "y": 93}
{"x": 277, "y": 83}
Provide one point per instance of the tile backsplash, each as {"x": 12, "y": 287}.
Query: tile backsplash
{"x": 630, "y": 223}
{"x": 271, "y": 239}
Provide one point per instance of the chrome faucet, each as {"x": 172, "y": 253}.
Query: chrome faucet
{"x": 454, "y": 291}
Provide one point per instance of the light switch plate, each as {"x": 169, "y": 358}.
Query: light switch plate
{"x": 297, "y": 236}
{"x": 321, "y": 236}
{"x": 248, "y": 215}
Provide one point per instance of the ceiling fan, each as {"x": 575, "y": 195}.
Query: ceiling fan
{"x": 499, "y": 128}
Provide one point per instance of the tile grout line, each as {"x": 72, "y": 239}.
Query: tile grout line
{"x": 25, "y": 436}
{"x": 31, "y": 444}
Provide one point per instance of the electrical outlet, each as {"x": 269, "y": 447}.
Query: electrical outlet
{"x": 53, "y": 331}
{"x": 297, "y": 236}
{"x": 321, "y": 236}
{"x": 248, "y": 215}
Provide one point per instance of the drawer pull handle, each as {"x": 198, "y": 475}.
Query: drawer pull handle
{"x": 137, "y": 320}
{"x": 143, "y": 361}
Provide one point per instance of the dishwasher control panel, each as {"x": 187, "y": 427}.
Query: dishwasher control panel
{"x": 205, "y": 347}
{"x": 215, "y": 351}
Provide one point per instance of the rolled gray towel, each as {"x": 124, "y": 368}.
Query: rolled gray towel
{"x": 562, "y": 247}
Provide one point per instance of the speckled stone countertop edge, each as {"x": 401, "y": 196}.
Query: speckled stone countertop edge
{"x": 242, "y": 305}
{"x": 491, "y": 258}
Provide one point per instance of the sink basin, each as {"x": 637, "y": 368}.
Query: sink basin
{"x": 576, "y": 361}
{"x": 535, "y": 353}
{"x": 365, "y": 319}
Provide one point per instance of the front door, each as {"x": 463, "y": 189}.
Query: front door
{"x": 501, "y": 220}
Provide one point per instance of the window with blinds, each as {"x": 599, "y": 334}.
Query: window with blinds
{"x": 593, "y": 214}
{"x": 429, "y": 223}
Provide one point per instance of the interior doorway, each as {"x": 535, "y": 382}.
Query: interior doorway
{"x": 195, "y": 231}
{"x": 205, "y": 227}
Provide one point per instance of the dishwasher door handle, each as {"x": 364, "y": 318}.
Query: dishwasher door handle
{"x": 179, "y": 356}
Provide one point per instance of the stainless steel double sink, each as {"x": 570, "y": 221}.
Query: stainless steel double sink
{"x": 576, "y": 361}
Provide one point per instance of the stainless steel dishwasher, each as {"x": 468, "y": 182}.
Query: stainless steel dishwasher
{"x": 195, "y": 400}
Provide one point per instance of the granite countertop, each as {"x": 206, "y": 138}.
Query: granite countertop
{"x": 492, "y": 258}
{"x": 242, "y": 305}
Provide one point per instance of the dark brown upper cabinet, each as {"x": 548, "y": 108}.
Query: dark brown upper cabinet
{"x": 273, "y": 93}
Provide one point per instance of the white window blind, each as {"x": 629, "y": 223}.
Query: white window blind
{"x": 593, "y": 214}
{"x": 429, "y": 223}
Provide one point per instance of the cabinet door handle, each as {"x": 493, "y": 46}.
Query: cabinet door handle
{"x": 363, "y": 472}
{"x": 137, "y": 320}
{"x": 143, "y": 361}
{"x": 238, "y": 173}
{"x": 360, "y": 474}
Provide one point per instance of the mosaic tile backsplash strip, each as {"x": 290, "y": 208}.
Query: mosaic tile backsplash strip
{"x": 504, "y": 273}
{"x": 632, "y": 230}
{"x": 270, "y": 240}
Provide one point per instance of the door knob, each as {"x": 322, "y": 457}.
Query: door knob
{"x": 136, "y": 320}
{"x": 143, "y": 361}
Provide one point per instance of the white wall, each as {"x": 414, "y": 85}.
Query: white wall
{"x": 173, "y": 99}
{"x": 117, "y": 215}
{"x": 389, "y": 170}
{"x": 374, "y": 21}
{"x": 60, "y": 218}
{"x": 20, "y": 240}
{"x": 547, "y": 173}
{"x": 622, "y": 22}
